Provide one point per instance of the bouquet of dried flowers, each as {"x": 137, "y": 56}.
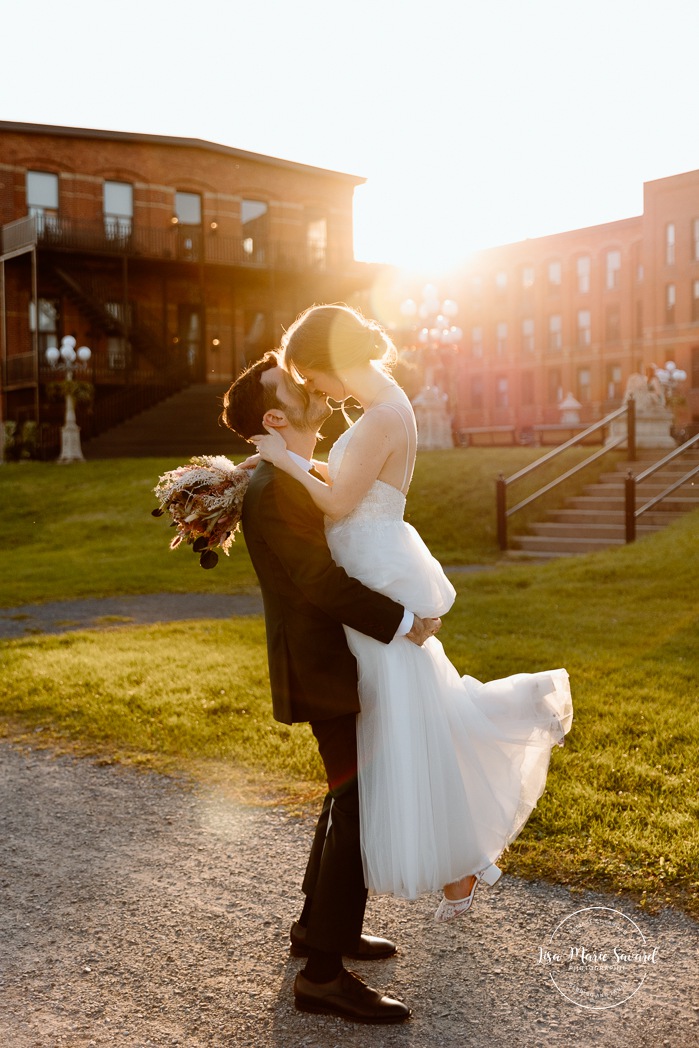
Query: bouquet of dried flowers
{"x": 204, "y": 499}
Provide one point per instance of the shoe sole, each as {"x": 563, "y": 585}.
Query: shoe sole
{"x": 302, "y": 951}
{"x": 318, "y": 1008}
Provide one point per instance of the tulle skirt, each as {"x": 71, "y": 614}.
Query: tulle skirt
{"x": 449, "y": 768}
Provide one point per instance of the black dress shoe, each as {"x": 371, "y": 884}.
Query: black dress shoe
{"x": 370, "y": 947}
{"x": 350, "y": 997}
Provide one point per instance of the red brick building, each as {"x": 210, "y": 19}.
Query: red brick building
{"x": 174, "y": 260}
{"x": 579, "y": 312}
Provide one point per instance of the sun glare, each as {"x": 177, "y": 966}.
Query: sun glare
{"x": 404, "y": 229}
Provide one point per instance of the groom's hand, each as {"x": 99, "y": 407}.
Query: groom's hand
{"x": 422, "y": 629}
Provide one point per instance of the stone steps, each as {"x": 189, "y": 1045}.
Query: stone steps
{"x": 595, "y": 519}
{"x": 586, "y": 517}
{"x": 183, "y": 425}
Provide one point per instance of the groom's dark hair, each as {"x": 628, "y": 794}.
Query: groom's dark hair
{"x": 247, "y": 400}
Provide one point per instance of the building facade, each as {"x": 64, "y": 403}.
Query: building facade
{"x": 579, "y": 312}
{"x": 174, "y": 260}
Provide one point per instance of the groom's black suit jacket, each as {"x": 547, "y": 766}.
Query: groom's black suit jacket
{"x": 307, "y": 598}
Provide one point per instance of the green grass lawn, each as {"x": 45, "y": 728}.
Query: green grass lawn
{"x": 621, "y": 810}
{"x": 85, "y": 530}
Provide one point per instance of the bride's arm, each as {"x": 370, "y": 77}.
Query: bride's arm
{"x": 322, "y": 468}
{"x": 362, "y": 462}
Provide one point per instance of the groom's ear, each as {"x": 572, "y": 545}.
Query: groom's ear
{"x": 275, "y": 419}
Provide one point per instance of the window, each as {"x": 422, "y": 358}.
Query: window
{"x": 501, "y": 281}
{"x": 42, "y": 198}
{"x": 670, "y": 244}
{"x": 188, "y": 209}
{"x": 189, "y": 336}
{"x": 477, "y": 392}
{"x": 122, "y": 314}
{"x": 527, "y": 388}
{"x": 502, "y": 395}
{"x": 613, "y": 269}
{"x": 317, "y": 241}
{"x": 555, "y": 332}
{"x": 528, "y": 335}
{"x": 695, "y": 300}
{"x": 554, "y": 388}
{"x": 584, "y": 328}
{"x": 670, "y": 299}
{"x": 477, "y": 341}
{"x": 501, "y": 338}
{"x": 117, "y": 204}
{"x": 257, "y": 337}
{"x": 584, "y": 384}
{"x": 188, "y": 215}
{"x": 48, "y": 324}
{"x": 695, "y": 238}
{"x": 614, "y": 388}
{"x": 583, "y": 267}
{"x": 253, "y": 218}
{"x": 554, "y": 273}
{"x": 118, "y": 349}
{"x": 612, "y": 324}
{"x": 527, "y": 277}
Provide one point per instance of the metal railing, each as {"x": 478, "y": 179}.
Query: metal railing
{"x": 502, "y": 483}
{"x": 631, "y": 485}
{"x": 171, "y": 243}
{"x": 18, "y": 235}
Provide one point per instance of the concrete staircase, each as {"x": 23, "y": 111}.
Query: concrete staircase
{"x": 595, "y": 519}
{"x": 183, "y": 425}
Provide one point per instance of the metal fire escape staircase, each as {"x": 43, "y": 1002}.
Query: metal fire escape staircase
{"x": 94, "y": 299}
{"x": 150, "y": 374}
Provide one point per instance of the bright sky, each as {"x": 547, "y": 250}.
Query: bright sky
{"x": 475, "y": 123}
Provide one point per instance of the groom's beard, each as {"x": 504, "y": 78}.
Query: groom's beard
{"x": 311, "y": 417}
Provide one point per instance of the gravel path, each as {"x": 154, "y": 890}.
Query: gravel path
{"x": 137, "y": 910}
{"x": 99, "y": 612}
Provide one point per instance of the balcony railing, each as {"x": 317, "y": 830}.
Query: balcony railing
{"x": 18, "y": 235}
{"x": 175, "y": 244}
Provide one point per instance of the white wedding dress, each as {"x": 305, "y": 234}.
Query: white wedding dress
{"x": 449, "y": 768}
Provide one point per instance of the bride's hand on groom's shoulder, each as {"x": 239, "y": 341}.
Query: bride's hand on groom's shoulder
{"x": 271, "y": 447}
{"x": 249, "y": 463}
{"x": 423, "y": 629}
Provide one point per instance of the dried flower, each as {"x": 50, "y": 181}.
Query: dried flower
{"x": 204, "y": 500}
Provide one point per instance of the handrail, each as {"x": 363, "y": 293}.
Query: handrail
{"x": 568, "y": 444}
{"x": 502, "y": 512}
{"x": 668, "y": 458}
{"x": 566, "y": 476}
{"x": 630, "y": 487}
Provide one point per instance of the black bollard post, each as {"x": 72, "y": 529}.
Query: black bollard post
{"x": 630, "y": 506}
{"x": 501, "y": 510}
{"x": 631, "y": 428}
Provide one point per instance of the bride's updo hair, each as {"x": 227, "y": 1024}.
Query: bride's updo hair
{"x": 334, "y": 338}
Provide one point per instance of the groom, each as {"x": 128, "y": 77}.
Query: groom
{"x": 313, "y": 677}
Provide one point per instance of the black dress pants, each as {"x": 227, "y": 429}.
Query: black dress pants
{"x": 334, "y": 879}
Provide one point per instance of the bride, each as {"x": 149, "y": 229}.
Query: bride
{"x": 449, "y": 768}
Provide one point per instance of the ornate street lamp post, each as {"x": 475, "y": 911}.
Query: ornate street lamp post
{"x": 69, "y": 360}
{"x": 670, "y": 376}
{"x": 431, "y": 322}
